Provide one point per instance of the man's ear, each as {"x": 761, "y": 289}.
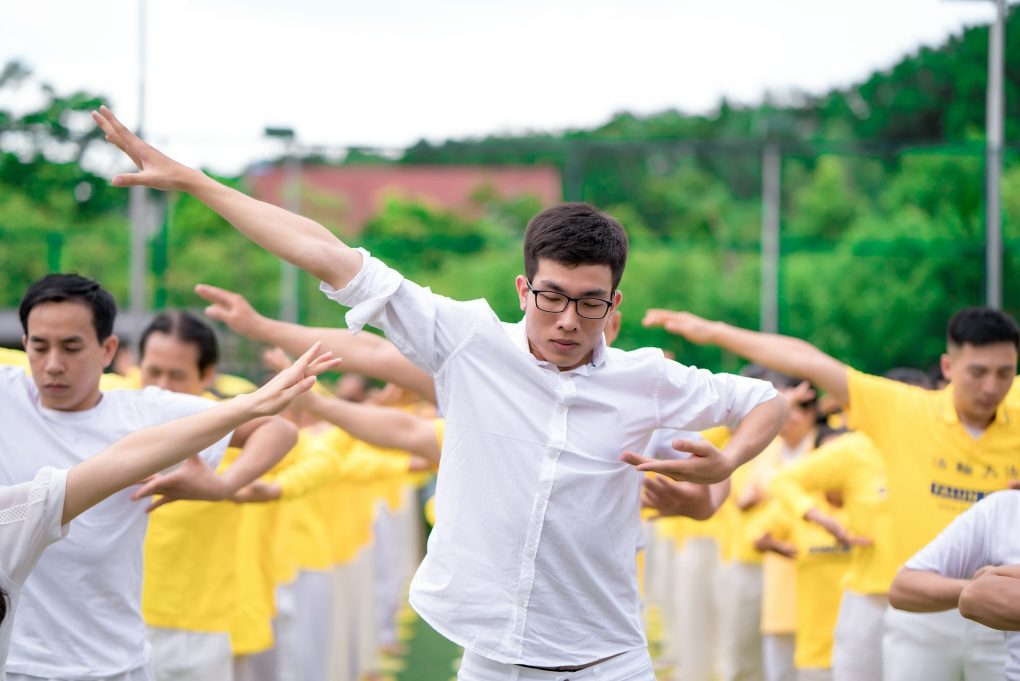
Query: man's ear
{"x": 522, "y": 290}
{"x": 208, "y": 377}
{"x": 110, "y": 346}
{"x": 946, "y": 364}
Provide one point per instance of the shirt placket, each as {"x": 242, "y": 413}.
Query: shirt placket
{"x": 557, "y": 441}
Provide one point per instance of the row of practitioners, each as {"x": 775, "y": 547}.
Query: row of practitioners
{"x": 303, "y": 582}
{"x": 793, "y": 576}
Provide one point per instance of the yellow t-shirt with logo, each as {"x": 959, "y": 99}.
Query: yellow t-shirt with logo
{"x": 935, "y": 469}
{"x": 852, "y": 466}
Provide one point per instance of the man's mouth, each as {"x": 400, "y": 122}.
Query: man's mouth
{"x": 562, "y": 344}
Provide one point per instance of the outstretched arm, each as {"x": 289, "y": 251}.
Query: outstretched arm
{"x": 298, "y": 240}
{"x": 707, "y": 464}
{"x": 380, "y": 426}
{"x": 781, "y": 353}
{"x": 148, "y": 451}
{"x": 364, "y": 353}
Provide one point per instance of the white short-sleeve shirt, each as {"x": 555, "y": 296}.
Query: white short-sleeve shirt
{"x": 986, "y": 534}
{"x": 30, "y": 516}
{"x": 80, "y": 609}
{"x": 532, "y": 557}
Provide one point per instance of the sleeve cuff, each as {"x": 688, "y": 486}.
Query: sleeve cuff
{"x": 367, "y": 293}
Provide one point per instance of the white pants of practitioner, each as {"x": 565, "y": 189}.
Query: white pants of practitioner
{"x": 940, "y": 646}
{"x": 366, "y": 634}
{"x": 344, "y": 662}
{"x": 276, "y": 663}
{"x": 179, "y": 655}
{"x": 857, "y": 648}
{"x": 313, "y": 596}
{"x": 696, "y": 609}
{"x": 777, "y": 657}
{"x": 140, "y": 674}
{"x": 388, "y": 565}
{"x": 635, "y": 665}
{"x": 814, "y": 675}
{"x": 740, "y": 640}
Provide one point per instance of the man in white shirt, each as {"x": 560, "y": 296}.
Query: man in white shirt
{"x": 79, "y": 614}
{"x": 531, "y": 564}
{"x": 973, "y": 565}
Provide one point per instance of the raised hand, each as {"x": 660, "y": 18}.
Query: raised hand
{"x": 289, "y": 383}
{"x": 194, "y": 480}
{"x": 228, "y": 307}
{"x": 705, "y": 466}
{"x": 156, "y": 170}
{"x": 692, "y": 327}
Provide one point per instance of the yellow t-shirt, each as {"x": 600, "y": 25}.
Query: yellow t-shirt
{"x": 189, "y": 581}
{"x": 935, "y": 469}
{"x": 852, "y": 466}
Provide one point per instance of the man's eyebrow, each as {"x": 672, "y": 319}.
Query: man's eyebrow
{"x": 547, "y": 285}
{"x": 67, "y": 339}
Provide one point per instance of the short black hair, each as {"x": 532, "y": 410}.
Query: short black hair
{"x": 187, "y": 328}
{"x": 911, "y": 376}
{"x": 980, "y": 326}
{"x": 59, "y": 288}
{"x": 575, "y": 234}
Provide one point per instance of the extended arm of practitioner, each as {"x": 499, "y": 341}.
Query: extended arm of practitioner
{"x": 707, "y": 464}
{"x": 298, "y": 240}
{"x": 144, "y": 452}
{"x": 377, "y": 425}
{"x": 364, "y": 353}
{"x": 782, "y": 353}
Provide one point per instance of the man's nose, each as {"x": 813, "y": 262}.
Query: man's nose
{"x": 54, "y": 363}
{"x": 569, "y": 319}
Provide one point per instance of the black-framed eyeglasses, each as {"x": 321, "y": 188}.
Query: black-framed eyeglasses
{"x": 553, "y": 301}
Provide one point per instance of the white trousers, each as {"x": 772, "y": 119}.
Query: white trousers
{"x": 140, "y": 674}
{"x": 940, "y": 646}
{"x": 696, "y": 610}
{"x": 777, "y": 657}
{"x": 313, "y": 597}
{"x": 740, "y": 640}
{"x": 343, "y": 657}
{"x": 179, "y": 655}
{"x": 816, "y": 675}
{"x": 388, "y": 565}
{"x": 857, "y": 646}
{"x": 635, "y": 665}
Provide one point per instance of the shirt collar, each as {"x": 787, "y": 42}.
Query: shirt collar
{"x": 949, "y": 414}
{"x": 519, "y": 334}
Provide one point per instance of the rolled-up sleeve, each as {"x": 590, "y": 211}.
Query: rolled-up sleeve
{"x": 696, "y": 399}
{"x": 424, "y": 326}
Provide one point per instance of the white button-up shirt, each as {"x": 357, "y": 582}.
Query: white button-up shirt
{"x": 533, "y": 556}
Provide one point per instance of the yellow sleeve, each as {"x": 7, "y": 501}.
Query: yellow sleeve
{"x": 317, "y": 464}
{"x": 823, "y": 470}
{"x": 440, "y": 425}
{"x": 368, "y": 464}
{"x": 773, "y": 519}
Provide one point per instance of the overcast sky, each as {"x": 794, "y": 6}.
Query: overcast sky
{"x": 390, "y": 72}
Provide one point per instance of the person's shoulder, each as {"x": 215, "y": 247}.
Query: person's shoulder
{"x": 639, "y": 357}
{"x": 1005, "y": 501}
{"x": 152, "y": 403}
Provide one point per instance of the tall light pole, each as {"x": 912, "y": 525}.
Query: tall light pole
{"x": 993, "y": 158}
{"x": 292, "y": 202}
{"x": 771, "y": 164}
{"x": 138, "y": 210}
